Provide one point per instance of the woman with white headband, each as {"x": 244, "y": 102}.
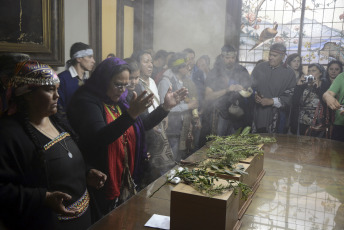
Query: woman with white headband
{"x": 77, "y": 68}
{"x": 43, "y": 176}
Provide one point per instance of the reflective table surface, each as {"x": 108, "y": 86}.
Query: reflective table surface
{"x": 303, "y": 188}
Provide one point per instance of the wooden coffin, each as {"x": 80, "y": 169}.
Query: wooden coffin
{"x": 193, "y": 210}
{"x": 254, "y": 167}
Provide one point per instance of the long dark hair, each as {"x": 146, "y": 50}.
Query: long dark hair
{"x": 339, "y": 63}
{"x": 290, "y": 58}
{"x": 320, "y": 68}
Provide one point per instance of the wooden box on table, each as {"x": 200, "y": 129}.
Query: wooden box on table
{"x": 256, "y": 163}
{"x": 192, "y": 210}
{"x": 253, "y": 166}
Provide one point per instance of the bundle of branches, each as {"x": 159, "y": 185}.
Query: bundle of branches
{"x": 239, "y": 145}
{"x": 226, "y": 151}
{"x": 203, "y": 182}
{"x": 223, "y": 153}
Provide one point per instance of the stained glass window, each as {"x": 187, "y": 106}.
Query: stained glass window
{"x": 313, "y": 28}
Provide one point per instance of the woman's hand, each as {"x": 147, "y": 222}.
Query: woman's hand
{"x": 138, "y": 104}
{"x": 174, "y": 98}
{"x": 96, "y": 178}
{"x": 301, "y": 80}
{"x": 54, "y": 200}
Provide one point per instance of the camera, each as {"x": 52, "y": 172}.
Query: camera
{"x": 309, "y": 79}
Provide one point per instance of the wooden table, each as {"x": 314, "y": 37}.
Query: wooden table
{"x": 303, "y": 188}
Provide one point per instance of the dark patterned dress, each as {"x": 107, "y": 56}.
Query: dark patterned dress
{"x": 26, "y": 174}
{"x": 309, "y": 110}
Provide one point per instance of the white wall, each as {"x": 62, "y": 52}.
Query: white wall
{"x": 75, "y": 25}
{"x": 196, "y": 24}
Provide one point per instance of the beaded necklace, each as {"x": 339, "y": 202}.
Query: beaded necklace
{"x": 115, "y": 111}
{"x": 65, "y": 146}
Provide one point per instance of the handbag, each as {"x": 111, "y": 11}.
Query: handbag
{"x": 235, "y": 110}
{"x": 320, "y": 130}
{"x": 127, "y": 188}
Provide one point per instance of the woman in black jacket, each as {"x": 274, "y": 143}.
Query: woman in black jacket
{"x": 309, "y": 112}
{"x": 43, "y": 177}
{"x": 110, "y": 130}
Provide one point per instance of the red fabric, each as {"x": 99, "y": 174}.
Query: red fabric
{"x": 116, "y": 158}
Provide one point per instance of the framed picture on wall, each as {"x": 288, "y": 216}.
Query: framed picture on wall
{"x": 35, "y": 27}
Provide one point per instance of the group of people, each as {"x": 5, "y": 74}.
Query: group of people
{"x": 74, "y": 147}
{"x": 314, "y": 110}
{"x": 277, "y": 97}
{"x": 66, "y": 170}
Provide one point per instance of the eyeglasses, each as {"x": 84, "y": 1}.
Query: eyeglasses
{"x": 120, "y": 86}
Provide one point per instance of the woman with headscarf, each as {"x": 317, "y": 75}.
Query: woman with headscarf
{"x": 42, "y": 172}
{"x": 309, "y": 115}
{"x": 110, "y": 130}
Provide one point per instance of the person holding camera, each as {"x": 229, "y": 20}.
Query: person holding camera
{"x": 309, "y": 115}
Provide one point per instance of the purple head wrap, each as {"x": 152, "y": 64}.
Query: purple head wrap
{"x": 102, "y": 75}
{"x": 98, "y": 84}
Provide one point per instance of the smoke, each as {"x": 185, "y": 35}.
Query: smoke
{"x": 196, "y": 24}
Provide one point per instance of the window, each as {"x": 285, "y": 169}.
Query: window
{"x": 313, "y": 28}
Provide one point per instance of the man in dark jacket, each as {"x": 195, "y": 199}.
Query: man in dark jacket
{"x": 222, "y": 88}
{"x": 274, "y": 84}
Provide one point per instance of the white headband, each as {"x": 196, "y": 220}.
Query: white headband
{"x": 83, "y": 53}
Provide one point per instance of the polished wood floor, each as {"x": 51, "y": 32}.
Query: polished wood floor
{"x": 303, "y": 188}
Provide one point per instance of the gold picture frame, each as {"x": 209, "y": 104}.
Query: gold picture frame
{"x": 42, "y": 40}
